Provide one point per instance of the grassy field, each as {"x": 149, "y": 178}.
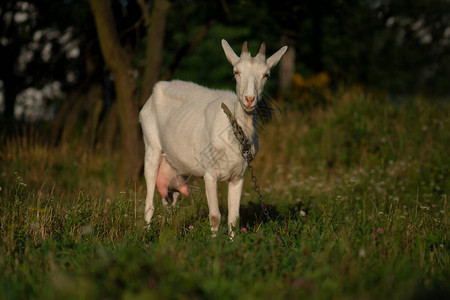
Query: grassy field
{"x": 357, "y": 190}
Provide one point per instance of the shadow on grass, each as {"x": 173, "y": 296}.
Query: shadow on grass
{"x": 252, "y": 212}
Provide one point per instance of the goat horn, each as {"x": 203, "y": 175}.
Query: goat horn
{"x": 262, "y": 49}
{"x": 244, "y": 47}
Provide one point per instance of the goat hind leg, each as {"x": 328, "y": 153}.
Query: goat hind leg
{"x": 151, "y": 165}
{"x": 171, "y": 199}
{"x": 174, "y": 198}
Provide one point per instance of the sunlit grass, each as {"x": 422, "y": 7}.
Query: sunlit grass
{"x": 358, "y": 191}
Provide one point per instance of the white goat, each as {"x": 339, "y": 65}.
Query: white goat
{"x": 186, "y": 133}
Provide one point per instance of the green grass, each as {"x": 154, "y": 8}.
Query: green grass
{"x": 358, "y": 192}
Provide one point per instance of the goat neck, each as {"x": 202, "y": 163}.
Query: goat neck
{"x": 245, "y": 119}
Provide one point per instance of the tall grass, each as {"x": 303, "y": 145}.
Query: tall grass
{"x": 358, "y": 191}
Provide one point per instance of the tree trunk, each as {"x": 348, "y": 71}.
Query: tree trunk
{"x": 10, "y": 95}
{"x": 12, "y": 83}
{"x": 70, "y": 120}
{"x": 287, "y": 64}
{"x": 95, "y": 100}
{"x": 60, "y": 119}
{"x": 107, "y": 130}
{"x": 119, "y": 63}
{"x": 156, "y": 24}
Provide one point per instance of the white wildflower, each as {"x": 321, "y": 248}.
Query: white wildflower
{"x": 362, "y": 252}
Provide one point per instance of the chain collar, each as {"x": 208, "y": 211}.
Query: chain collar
{"x": 244, "y": 141}
{"x": 245, "y": 145}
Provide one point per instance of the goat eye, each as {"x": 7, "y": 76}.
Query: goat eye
{"x": 266, "y": 75}
{"x": 237, "y": 73}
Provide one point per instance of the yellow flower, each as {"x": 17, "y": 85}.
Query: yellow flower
{"x": 298, "y": 80}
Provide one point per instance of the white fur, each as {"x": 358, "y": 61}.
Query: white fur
{"x": 184, "y": 122}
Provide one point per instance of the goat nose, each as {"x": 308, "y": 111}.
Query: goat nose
{"x": 249, "y": 99}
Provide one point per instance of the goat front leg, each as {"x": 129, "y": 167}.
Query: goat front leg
{"x": 213, "y": 202}
{"x": 234, "y": 199}
{"x": 151, "y": 165}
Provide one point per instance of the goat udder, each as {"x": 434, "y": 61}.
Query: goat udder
{"x": 162, "y": 184}
{"x": 167, "y": 179}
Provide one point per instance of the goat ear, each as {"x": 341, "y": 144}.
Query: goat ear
{"x": 275, "y": 58}
{"x": 230, "y": 54}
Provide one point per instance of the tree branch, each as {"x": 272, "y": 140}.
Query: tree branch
{"x": 154, "y": 50}
{"x": 144, "y": 9}
{"x": 188, "y": 47}
{"x": 114, "y": 54}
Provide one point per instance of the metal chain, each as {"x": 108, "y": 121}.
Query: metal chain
{"x": 246, "y": 153}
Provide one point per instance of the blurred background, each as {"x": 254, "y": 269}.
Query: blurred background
{"x": 78, "y": 71}
{"x": 354, "y": 165}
